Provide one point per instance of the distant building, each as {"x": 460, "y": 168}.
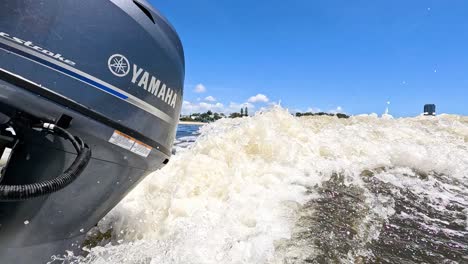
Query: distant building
{"x": 430, "y": 109}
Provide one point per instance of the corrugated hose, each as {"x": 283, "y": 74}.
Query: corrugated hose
{"x": 28, "y": 191}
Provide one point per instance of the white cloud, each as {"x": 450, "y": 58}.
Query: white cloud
{"x": 337, "y": 110}
{"x": 313, "y": 109}
{"x": 235, "y": 107}
{"x": 258, "y": 98}
{"x": 200, "y": 88}
{"x": 210, "y": 99}
{"x": 190, "y": 108}
{"x": 201, "y": 107}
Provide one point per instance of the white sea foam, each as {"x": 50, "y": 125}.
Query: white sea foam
{"x": 233, "y": 196}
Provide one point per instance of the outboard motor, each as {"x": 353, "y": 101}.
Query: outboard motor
{"x": 90, "y": 96}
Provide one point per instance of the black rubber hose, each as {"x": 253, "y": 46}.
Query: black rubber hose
{"x": 28, "y": 191}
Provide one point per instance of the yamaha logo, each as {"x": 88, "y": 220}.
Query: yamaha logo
{"x": 118, "y": 65}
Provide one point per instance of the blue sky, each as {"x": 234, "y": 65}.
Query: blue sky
{"x": 351, "y": 56}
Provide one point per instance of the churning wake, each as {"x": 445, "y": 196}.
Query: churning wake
{"x": 274, "y": 188}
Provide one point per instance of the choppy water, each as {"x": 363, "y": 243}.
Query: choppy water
{"x": 279, "y": 189}
{"x": 185, "y": 137}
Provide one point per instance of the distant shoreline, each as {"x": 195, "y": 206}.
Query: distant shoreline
{"x": 195, "y": 123}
